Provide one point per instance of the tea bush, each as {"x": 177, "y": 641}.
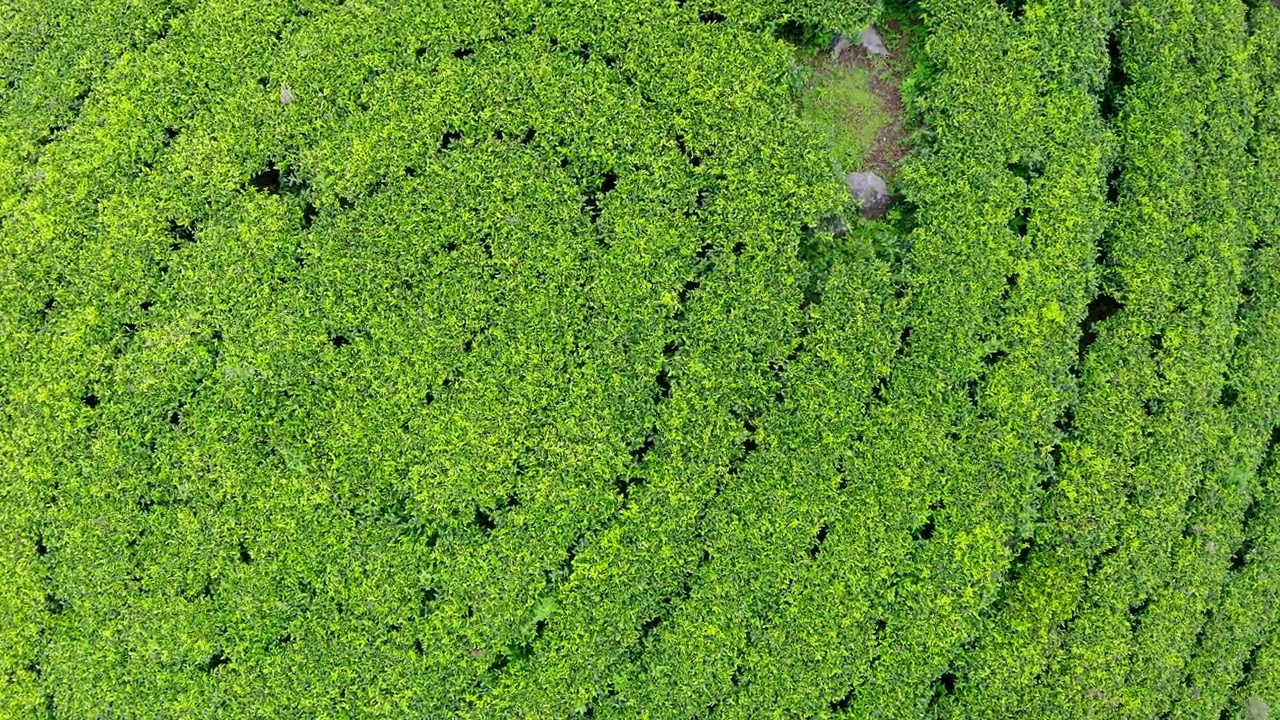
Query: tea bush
{"x": 376, "y": 359}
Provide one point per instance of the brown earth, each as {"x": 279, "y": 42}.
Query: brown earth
{"x": 885, "y": 76}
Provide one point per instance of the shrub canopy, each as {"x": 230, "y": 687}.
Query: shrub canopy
{"x": 497, "y": 359}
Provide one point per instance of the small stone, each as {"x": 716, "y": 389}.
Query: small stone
{"x": 286, "y": 96}
{"x": 872, "y": 42}
{"x": 870, "y": 192}
{"x": 839, "y": 46}
{"x": 39, "y": 174}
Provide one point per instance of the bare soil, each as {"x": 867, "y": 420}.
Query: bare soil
{"x": 884, "y": 77}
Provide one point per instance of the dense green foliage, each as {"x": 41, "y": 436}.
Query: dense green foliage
{"x": 384, "y": 359}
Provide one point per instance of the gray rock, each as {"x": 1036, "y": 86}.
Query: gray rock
{"x": 840, "y": 46}
{"x": 870, "y": 192}
{"x": 1257, "y": 709}
{"x": 872, "y": 42}
{"x": 286, "y": 96}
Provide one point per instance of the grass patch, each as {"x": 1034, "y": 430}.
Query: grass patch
{"x": 839, "y": 103}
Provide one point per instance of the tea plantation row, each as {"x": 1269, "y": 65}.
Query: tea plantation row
{"x": 407, "y": 359}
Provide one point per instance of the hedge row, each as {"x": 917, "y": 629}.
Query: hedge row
{"x": 373, "y": 359}
{"x": 330, "y": 406}
{"x": 1178, "y": 395}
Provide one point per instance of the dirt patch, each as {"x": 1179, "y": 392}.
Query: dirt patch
{"x": 855, "y": 100}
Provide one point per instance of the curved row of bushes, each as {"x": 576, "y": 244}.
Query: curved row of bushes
{"x": 374, "y": 359}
